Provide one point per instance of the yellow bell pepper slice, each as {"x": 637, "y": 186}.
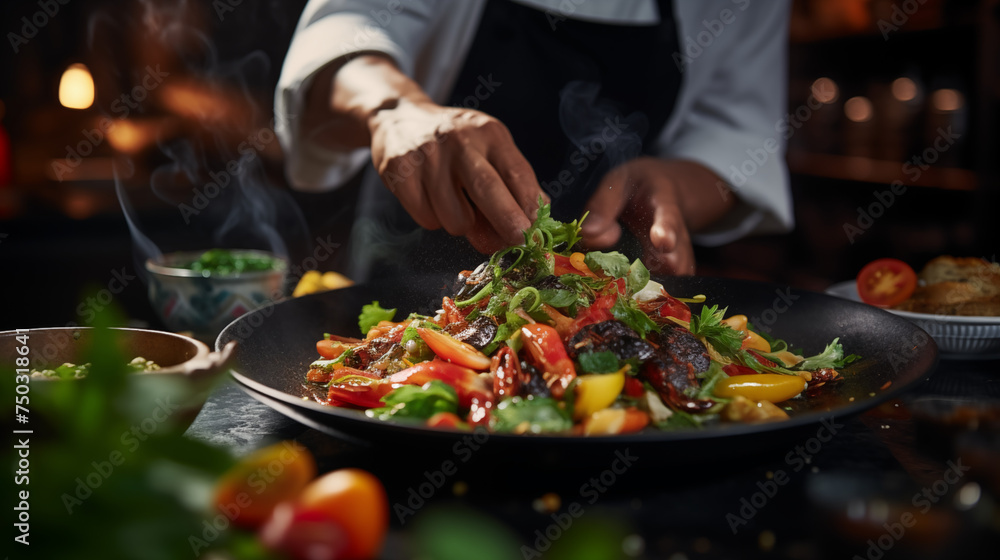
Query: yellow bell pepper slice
{"x": 597, "y": 391}
{"x": 771, "y": 387}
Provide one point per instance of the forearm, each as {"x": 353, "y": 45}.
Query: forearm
{"x": 703, "y": 197}
{"x": 344, "y": 98}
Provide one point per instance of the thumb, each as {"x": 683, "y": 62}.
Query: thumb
{"x": 601, "y": 228}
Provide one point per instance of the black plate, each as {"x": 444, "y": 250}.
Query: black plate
{"x": 277, "y": 343}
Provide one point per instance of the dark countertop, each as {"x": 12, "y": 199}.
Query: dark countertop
{"x": 801, "y": 498}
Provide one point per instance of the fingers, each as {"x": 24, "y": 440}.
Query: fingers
{"x": 518, "y": 175}
{"x": 601, "y": 228}
{"x": 411, "y": 194}
{"x": 668, "y": 249}
{"x": 449, "y": 204}
{"x": 490, "y": 195}
{"x": 483, "y": 237}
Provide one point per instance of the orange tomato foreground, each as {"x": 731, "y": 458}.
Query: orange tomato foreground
{"x": 249, "y": 491}
{"x": 356, "y": 501}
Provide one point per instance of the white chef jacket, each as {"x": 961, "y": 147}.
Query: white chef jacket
{"x": 729, "y": 115}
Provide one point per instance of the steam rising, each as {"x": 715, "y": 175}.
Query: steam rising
{"x": 214, "y": 173}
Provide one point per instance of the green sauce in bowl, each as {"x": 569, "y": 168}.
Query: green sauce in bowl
{"x": 223, "y": 262}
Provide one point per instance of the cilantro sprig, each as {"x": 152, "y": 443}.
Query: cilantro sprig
{"x": 721, "y": 336}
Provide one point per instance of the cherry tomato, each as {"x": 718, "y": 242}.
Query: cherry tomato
{"x": 886, "y": 282}
{"x": 249, "y": 491}
{"x": 545, "y": 346}
{"x": 356, "y": 501}
{"x": 451, "y": 349}
{"x": 563, "y": 266}
{"x": 506, "y": 373}
{"x": 470, "y": 387}
{"x": 772, "y": 387}
{"x": 633, "y": 387}
{"x": 303, "y": 534}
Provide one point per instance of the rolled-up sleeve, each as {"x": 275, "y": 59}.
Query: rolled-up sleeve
{"x": 730, "y": 114}
{"x": 327, "y": 31}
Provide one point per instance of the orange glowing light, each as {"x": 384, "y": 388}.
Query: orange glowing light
{"x": 824, "y": 90}
{"x": 947, "y": 100}
{"x": 125, "y": 136}
{"x": 904, "y": 89}
{"x": 858, "y": 109}
{"x": 76, "y": 87}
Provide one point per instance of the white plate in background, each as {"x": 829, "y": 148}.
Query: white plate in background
{"x": 957, "y": 336}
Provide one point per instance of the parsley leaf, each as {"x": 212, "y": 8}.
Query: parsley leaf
{"x": 721, "y": 336}
{"x": 635, "y": 319}
{"x": 412, "y": 401}
{"x": 504, "y": 332}
{"x": 547, "y": 233}
{"x": 613, "y": 263}
{"x": 372, "y": 314}
{"x": 557, "y": 297}
{"x": 598, "y": 362}
{"x": 533, "y": 416}
{"x": 831, "y": 357}
{"x": 714, "y": 374}
{"x": 638, "y": 277}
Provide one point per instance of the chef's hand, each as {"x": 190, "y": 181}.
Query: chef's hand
{"x": 659, "y": 201}
{"x": 450, "y": 167}
{"x": 456, "y": 169}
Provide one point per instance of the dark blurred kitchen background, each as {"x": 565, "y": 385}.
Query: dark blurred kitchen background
{"x": 135, "y": 127}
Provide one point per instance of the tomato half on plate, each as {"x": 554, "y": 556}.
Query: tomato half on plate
{"x": 886, "y": 282}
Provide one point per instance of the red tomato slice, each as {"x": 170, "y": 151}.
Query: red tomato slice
{"x": 737, "y": 369}
{"x": 886, "y": 282}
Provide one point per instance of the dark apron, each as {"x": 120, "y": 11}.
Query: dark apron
{"x": 579, "y": 99}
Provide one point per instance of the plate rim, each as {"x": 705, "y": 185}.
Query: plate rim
{"x": 847, "y": 289}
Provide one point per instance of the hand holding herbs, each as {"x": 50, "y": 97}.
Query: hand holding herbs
{"x": 542, "y": 338}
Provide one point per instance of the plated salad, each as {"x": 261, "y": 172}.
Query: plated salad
{"x": 545, "y": 339}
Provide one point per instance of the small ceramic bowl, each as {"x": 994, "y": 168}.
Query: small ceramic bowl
{"x": 186, "y": 300}
{"x": 181, "y": 358}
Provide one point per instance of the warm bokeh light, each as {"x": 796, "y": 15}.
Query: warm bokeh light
{"x": 76, "y": 87}
{"x": 824, "y": 90}
{"x": 947, "y": 100}
{"x": 904, "y": 89}
{"x": 858, "y": 109}
{"x": 126, "y": 136}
